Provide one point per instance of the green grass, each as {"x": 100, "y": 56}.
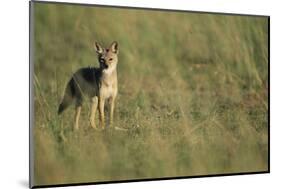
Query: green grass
{"x": 194, "y": 84}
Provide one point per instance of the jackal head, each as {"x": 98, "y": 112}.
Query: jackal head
{"x": 107, "y": 56}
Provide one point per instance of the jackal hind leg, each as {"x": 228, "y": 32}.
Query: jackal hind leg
{"x": 77, "y": 116}
{"x": 93, "y": 111}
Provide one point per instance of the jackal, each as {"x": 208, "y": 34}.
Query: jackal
{"x": 99, "y": 84}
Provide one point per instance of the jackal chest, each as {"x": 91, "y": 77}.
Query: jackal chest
{"x": 108, "y": 89}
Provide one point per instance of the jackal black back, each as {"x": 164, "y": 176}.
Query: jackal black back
{"x": 83, "y": 83}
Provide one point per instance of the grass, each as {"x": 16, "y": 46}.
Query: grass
{"x": 193, "y": 92}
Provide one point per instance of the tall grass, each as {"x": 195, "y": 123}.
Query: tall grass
{"x": 192, "y": 91}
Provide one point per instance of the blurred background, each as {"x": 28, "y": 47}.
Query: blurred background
{"x": 193, "y": 92}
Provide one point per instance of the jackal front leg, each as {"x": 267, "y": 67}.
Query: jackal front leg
{"x": 101, "y": 111}
{"x": 93, "y": 111}
{"x": 111, "y": 103}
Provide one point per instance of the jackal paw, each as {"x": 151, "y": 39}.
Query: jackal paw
{"x": 94, "y": 126}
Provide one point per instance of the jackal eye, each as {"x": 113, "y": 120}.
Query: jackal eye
{"x": 110, "y": 59}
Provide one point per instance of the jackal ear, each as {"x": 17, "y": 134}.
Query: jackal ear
{"x": 114, "y": 47}
{"x": 98, "y": 48}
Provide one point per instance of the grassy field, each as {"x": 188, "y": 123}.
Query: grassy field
{"x": 193, "y": 92}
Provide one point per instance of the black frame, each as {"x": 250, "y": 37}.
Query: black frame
{"x": 132, "y": 180}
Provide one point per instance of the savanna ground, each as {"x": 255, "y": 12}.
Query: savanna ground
{"x": 193, "y": 92}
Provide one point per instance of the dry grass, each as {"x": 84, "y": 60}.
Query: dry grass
{"x": 195, "y": 84}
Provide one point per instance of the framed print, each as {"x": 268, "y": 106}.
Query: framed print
{"x": 121, "y": 94}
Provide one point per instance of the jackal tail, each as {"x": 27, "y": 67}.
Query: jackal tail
{"x": 68, "y": 97}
